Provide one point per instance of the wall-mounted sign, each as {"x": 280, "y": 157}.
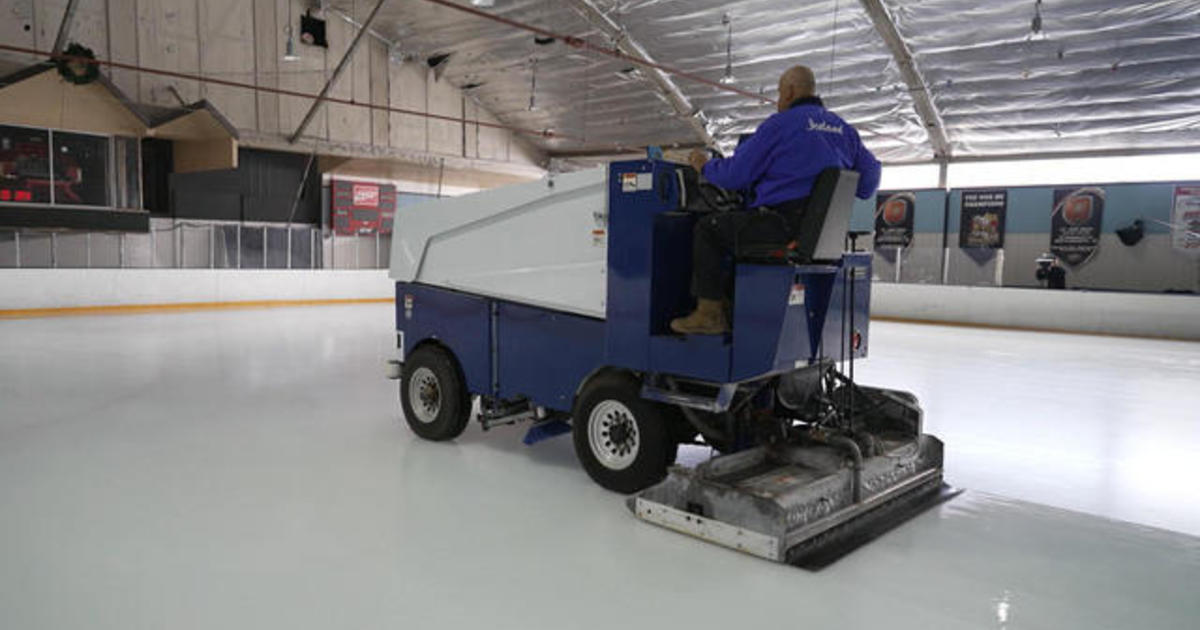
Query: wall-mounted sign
{"x": 365, "y": 195}
{"x": 1075, "y": 223}
{"x": 981, "y": 224}
{"x": 362, "y": 207}
{"x": 1185, "y": 220}
{"x": 894, "y": 212}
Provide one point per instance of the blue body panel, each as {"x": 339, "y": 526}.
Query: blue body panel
{"x": 544, "y": 355}
{"x": 459, "y": 321}
{"x": 784, "y": 316}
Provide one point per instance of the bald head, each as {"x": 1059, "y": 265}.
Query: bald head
{"x": 796, "y": 83}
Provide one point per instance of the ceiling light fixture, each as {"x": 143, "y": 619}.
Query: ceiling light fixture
{"x": 289, "y": 53}
{"x": 289, "y": 50}
{"x": 727, "y": 78}
{"x": 485, "y": 4}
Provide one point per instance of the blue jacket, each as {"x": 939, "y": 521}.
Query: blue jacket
{"x": 787, "y": 152}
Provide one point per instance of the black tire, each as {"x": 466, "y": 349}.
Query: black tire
{"x": 636, "y": 458}
{"x": 437, "y": 406}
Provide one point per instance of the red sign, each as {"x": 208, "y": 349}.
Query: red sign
{"x": 366, "y": 195}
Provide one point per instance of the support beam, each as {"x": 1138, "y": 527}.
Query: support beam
{"x": 337, "y": 72}
{"x": 931, "y": 119}
{"x": 64, "y": 28}
{"x": 627, "y": 45}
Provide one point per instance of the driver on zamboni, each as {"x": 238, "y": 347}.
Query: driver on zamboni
{"x": 780, "y": 163}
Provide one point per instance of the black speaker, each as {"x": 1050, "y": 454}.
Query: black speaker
{"x": 1132, "y": 233}
{"x": 312, "y": 31}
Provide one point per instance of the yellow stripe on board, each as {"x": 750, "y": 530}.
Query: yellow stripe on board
{"x": 127, "y": 309}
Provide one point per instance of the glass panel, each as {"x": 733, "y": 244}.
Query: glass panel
{"x": 252, "y": 247}
{"x": 366, "y": 251}
{"x": 195, "y": 248}
{"x": 105, "y": 248}
{"x": 227, "y": 247}
{"x": 71, "y": 250}
{"x": 385, "y": 251}
{"x": 128, "y": 193}
{"x": 302, "y": 240}
{"x": 35, "y": 249}
{"x": 344, "y": 252}
{"x": 24, "y": 164}
{"x": 8, "y": 249}
{"x": 137, "y": 249}
{"x": 277, "y": 248}
{"x": 80, "y": 169}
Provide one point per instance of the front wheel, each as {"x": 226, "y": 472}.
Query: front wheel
{"x": 434, "y": 395}
{"x": 621, "y": 439}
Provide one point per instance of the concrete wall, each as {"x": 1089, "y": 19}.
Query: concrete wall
{"x": 1149, "y": 315}
{"x": 65, "y": 288}
{"x": 244, "y": 41}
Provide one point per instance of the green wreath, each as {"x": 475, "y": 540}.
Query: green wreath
{"x": 73, "y": 67}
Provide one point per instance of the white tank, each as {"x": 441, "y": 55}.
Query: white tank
{"x": 542, "y": 243}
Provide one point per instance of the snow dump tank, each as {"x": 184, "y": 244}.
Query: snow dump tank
{"x": 542, "y": 243}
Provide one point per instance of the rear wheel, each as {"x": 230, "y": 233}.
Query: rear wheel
{"x": 622, "y": 440}
{"x": 433, "y": 394}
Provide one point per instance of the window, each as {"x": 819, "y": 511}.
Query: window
{"x": 64, "y": 168}
{"x": 80, "y": 169}
{"x": 24, "y": 164}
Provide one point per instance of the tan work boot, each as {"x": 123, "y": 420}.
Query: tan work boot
{"x": 707, "y": 319}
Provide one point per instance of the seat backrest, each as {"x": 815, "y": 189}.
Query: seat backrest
{"x": 826, "y": 218}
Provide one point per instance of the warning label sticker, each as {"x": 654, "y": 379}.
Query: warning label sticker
{"x": 796, "y": 297}
{"x": 634, "y": 182}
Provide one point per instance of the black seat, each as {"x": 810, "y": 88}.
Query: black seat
{"x": 821, "y": 230}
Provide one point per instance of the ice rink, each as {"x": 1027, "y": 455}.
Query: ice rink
{"x": 250, "y": 469}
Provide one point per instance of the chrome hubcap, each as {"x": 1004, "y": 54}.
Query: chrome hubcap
{"x": 425, "y": 395}
{"x": 613, "y": 435}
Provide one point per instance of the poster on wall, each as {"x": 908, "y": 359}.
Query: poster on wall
{"x": 894, "y": 213}
{"x": 362, "y": 207}
{"x": 1185, "y": 220}
{"x": 1075, "y": 224}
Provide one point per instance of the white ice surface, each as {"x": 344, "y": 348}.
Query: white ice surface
{"x": 249, "y": 470}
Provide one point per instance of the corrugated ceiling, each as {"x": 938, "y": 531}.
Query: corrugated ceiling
{"x": 1095, "y": 76}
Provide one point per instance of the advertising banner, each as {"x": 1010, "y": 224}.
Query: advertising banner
{"x": 894, "y": 219}
{"x": 1075, "y": 224}
{"x": 981, "y": 224}
{"x": 1185, "y": 220}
